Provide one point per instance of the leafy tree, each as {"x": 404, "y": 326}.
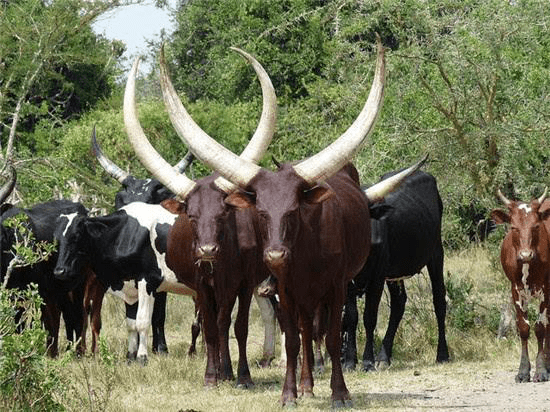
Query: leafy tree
{"x": 52, "y": 66}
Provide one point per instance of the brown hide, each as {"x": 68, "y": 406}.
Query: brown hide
{"x": 227, "y": 265}
{"x": 94, "y": 292}
{"x": 315, "y": 240}
{"x": 525, "y": 259}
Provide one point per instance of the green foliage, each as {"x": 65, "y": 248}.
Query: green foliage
{"x": 25, "y": 249}
{"x": 53, "y": 67}
{"x": 27, "y": 379}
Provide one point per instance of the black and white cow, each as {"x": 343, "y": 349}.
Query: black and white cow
{"x": 149, "y": 191}
{"x": 59, "y": 298}
{"x": 406, "y": 236}
{"x": 127, "y": 252}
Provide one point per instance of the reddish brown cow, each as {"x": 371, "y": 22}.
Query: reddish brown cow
{"x": 525, "y": 258}
{"x": 315, "y": 226}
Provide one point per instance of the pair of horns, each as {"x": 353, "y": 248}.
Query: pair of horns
{"x": 177, "y": 183}
{"x": 241, "y": 171}
{"x": 507, "y": 201}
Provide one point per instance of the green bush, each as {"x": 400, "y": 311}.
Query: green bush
{"x": 28, "y": 379}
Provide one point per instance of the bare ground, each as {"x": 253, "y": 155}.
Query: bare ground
{"x": 476, "y": 387}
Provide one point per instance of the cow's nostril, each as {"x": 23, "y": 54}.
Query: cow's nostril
{"x": 208, "y": 250}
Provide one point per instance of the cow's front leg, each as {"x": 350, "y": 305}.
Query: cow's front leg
{"x": 146, "y": 303}
{"x": 523, "y": 328}
{"x": 541, "y": 332}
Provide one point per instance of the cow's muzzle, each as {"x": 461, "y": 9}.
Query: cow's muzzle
{"x": 275, "y": 258}
{"x": 526, "y": 255}
{"x": 207, "y": 252}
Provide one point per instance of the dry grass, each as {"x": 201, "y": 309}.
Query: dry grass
{"x": 174, "y": 382}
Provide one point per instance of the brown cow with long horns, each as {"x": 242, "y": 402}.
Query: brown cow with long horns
{"x": 525, "y": 259}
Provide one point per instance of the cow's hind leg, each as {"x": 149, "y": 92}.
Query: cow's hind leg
{"x": 435, "y": 269}
{"x": 306, "y": 377}
{"x": 133, "y": 339}
{"x": 195, "y": 331}
{"x": 244, "y": 380}
{"x": 340, "y": 393}
{"x": 350, "y": 318}
{"x": 158, "y": 321}
{"x": 398, "y": 299}
{"x": 373, "y": 294}
{"x": 270, "y": 324}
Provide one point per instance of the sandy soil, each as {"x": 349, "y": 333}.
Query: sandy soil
{"x": 487, "y": 388}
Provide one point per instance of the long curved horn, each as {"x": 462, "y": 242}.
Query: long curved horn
{"x": 263, "y": 135}
{"x": 241, "y": 172}
{"x": 380, "y": 190}
{"x": 206, "y": 149}
{"x": 331, "y": 159}
{"x": 117, "y": 173}
{"x": 110, "y": 167}
{"x": 543, "y": 196}
{"x": 503, "y": 198}
{"x": 9, "y": 185}
{"x": 177, "y": 183}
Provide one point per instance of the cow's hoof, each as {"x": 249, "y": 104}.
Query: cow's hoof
{"x": 523, "y": 377}
{"x": 161, "y": 350}
{"x": 289, "y": 404}
{"x": 382, "y": 365}
{"x": 142, "y": 360}
{"x": 541, "y": 377}
{"x": 131, "y": 357}
{"x": 368, "y": 366}
{"x": 245, "y": 384}
{"x": 348, "y": 366}
{"x": 265, "y": 362}
{"x": 340, "y": 404}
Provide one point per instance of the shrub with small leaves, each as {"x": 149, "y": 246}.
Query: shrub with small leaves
{"x": 27, "y": 377}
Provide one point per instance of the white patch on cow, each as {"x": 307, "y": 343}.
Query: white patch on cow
{"x": 526, "y": 208}
{"x": 543, "y": 318}
{"x": 132, "y": 335}
{"x": 70, "y": 217}
{"x": 525, "y": 272}
{"x": 128, "y": 293}
{"x": 526, "y": 294}
{"x": 169, "y": 281}
{"x": 147, "y": 215}
{"x": 270, "y": 323}
{"x": 144, "y": 315}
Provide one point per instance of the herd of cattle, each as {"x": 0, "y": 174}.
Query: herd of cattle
{"x": 306, "y": 240}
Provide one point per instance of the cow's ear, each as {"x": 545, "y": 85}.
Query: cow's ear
{"x": 240, "y": 200}
{"x": 173, "y": 206}
{"x": 94, "y": 228}
{"x": 379, "y": 210}
{"x": 500, "y": 216}
{"x": 318, "y": 194}
{"x": 545, "y": 214}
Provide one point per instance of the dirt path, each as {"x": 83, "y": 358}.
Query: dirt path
{"x": 448, "y": 389}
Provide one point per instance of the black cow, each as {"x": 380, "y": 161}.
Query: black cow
{"x": 59, "y": 298}
{"x": 406, "y": 236}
